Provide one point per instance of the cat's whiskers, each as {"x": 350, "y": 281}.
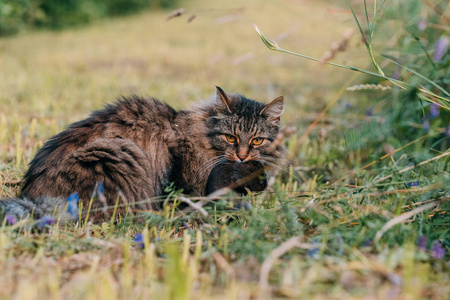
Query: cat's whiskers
{"x": 209, "y": 164}
{"x": 205, "y": 164}
{"x": 272, "y": 165}
{"x": 271, "y": 159}
{"x": 275, "y": 163}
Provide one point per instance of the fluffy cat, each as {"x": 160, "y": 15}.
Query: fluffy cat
{"x": 139, "y": 146}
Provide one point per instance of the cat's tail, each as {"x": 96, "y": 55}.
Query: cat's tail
{"x": 40, "y": 208}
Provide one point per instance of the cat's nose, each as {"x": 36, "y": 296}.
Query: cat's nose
{"x": 242, "y": 157}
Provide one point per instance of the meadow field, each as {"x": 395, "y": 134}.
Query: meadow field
{"x": 361, "y": 211}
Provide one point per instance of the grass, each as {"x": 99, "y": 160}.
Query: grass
{"x": 342, "y": 222}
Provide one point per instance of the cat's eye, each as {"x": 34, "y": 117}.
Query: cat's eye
{"x": 231, "y": 138}
{"x": 257, "y": 141}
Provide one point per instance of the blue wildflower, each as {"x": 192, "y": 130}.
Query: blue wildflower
{"x": 185, "y": 224}
{"x": 422, "y": 242}
{"x": 370, "y": 111}
{"x": 101, "y": 195}
{"x": 139, "y": 239}
{"x": 72, "y": 205}
{"x": 415, "y": 183}
{"x": 367, "y": 243}
{"x": 313, "y": 252}
{"x": 100, "y": 188}
{"x": 101, "y": 192}
{"x": 447, "y": 131}
{"x": 434, "y": 110}
{"x": 437, "y": 250}
{"x": 247, "y": 205}
{"x": 11, "y": 220}
{"x": 426, "y": 125}
{"x": 46, "y": 221}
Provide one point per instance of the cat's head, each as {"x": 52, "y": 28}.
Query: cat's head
{"x": 243, "y": 130}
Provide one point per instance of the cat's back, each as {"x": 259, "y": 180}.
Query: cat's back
{"x": 133, "y": 125}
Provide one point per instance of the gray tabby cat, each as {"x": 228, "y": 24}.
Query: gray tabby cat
{"x": 139, "y": 146}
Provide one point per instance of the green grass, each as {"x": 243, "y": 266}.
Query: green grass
{"x": 326, "y": 228}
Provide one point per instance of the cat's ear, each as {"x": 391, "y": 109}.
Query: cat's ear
{"x": 222, "y": 100}
{"x": 274, "y": 109}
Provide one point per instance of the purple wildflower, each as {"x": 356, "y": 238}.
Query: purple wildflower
{"x": 434, "y": 110}
{"x": 46, "y": 221}
{"x": 72, "y": 205}
{"x": 396, "y": 75}
{"x": 441, "y": 48}
{"x": 422, "y": 242}
{"x": 139, "y": 239}
{"x": 422, "y": 25}
{"x": 415, "y": 183}
{"x": 437, "y": 250}
{"x": 398, "y": 72}
{"x": 11, "y": 220}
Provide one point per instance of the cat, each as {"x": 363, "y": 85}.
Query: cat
{"x": 138, "y": 146}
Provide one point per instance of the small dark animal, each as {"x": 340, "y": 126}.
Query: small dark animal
{"x": 139, "y": 146}
{"x": 240, "y": 177}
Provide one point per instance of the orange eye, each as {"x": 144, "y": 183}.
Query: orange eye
{"x": 257, "y": 141}
{"x": 231, "y": 138}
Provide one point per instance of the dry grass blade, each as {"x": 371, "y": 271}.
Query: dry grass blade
{"x": 191, "y": 18}
{"x": 336, "y": 47}
{"x": 223, "y": 264}
{"x": 295, "y": 242}
{"x": 13, "y": 183}
{"x": 196, "y": 206}
{"x": 402, "y": 218}
{"x": 176, "y": 13}
{"x": 372, "y": 86}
